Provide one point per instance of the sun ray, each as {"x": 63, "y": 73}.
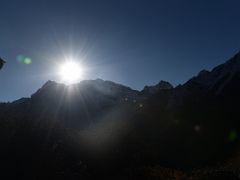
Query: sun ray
{"x": 71, "y": 72}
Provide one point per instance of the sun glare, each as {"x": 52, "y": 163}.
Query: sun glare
{"x": 70, "y": 72}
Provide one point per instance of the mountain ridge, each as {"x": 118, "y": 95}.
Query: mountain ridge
{"x": 203, "y": 78}
{"x": 101, "y": 128}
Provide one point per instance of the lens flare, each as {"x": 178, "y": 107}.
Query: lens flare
{"x": 24, "y": 59}
{"x": 232, "y": 136}
{"x": 70, "y": 72}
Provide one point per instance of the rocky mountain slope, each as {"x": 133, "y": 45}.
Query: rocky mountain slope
{"x": 100, "y": 129}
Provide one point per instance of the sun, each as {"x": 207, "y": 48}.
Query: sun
{"x": 71, "y": 72}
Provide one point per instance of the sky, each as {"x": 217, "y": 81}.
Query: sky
{"x": 135, "y": 43}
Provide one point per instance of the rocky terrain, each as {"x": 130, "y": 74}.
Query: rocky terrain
{"x": 102, "y": 130}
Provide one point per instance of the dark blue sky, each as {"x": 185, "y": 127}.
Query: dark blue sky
{"x": 130, "y": 42}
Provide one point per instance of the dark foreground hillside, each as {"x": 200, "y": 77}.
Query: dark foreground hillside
{"x": 102, "y": 130}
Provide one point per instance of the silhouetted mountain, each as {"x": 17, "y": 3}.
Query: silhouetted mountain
{"x": 99, "y": 129}
{"x": 82, "y": 103}
{"x": 206, "y": 83}
{"x": 220, "y": 74}
{"x": 199, "y": 116}
{"x": 162, "y": 85}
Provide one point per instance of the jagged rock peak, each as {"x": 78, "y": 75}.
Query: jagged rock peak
{"x": 232, "y": 65}
{"x": 209, "y": 79}
{"x": 203, "y": 73}
{"x": 162, "y": 85}
{"x": 49, "y": 83}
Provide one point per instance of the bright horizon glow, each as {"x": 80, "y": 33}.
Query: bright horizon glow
{"x": 71, "y": 72}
